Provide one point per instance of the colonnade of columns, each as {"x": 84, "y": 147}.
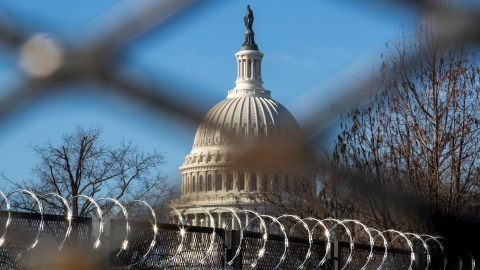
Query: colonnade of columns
{"x": 249, "y": 69}
{"x": 225, "y": 181}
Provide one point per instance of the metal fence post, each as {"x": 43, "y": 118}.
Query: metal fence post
{"x": 110, "y": 237}
{"x": 334, "y": 256}
{"x": 420, "y": 261}
{"x": 89, "y": 223}
{"x": 232, "y": 241}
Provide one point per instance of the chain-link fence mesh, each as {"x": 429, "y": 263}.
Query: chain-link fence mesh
{"x": 23, "y": 244}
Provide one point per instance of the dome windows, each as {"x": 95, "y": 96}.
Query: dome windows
{"x": 209, "y": 183}
{"x": 219, "y": 182}
{"x": 241, "y": 182}
{"x": 193, "y": 183}
{"x": 253, "y": 182}
{"x": 265, "y": 182}
{"x": 229, "y": 182}
{"x": 276, "y": 182}
{"x": 200, "y": 183}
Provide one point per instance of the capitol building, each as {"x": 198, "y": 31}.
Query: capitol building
{"x": 211, "y": 175}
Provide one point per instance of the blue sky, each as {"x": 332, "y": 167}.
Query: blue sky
{"x": 311, "y": 47}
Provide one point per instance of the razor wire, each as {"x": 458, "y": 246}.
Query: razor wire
{"x": 208, "y": 253}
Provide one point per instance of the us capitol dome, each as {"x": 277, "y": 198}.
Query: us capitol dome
{"x": 211, "y": 177}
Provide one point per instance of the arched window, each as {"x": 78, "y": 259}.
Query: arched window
{"x": 219, "y": 182}
{"x": 241, "y": 182}
{"x": 193, "y": 183}
{"x": 230, "y": 182}
{"x": 200, "y": 183}
{"x": 276, "y": 182}
{"x": 265, "y": 182}
{"x": 188, "y": 185}
{"x": 253, "y": 182}
{"x": 244, "y": 130}
{"x": 209, "y": 183}
{"x": 287, "y": 183}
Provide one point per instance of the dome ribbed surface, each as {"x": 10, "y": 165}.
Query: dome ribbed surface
{"x": 248, "y": 117}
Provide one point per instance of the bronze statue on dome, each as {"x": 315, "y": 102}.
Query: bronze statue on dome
{"x": 249, "y": 43}
{"x": 248, "y": 18}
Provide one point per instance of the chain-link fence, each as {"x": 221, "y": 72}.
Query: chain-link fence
{"x": 28, "y": 237}
{"x": 27, "y": 233}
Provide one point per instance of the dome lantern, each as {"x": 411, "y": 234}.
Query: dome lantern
{"x": 249, "y": 61}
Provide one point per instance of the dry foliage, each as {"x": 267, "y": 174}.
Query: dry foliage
{"x": 82, "y": 164}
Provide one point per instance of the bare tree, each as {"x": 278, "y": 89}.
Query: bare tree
{"x": 83, "y": 164}
{"x": 307, "y": 194}
{"x": 418, "y": 133}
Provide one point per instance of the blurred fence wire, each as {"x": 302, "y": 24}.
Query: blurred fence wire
{"x": 47, "y": 63}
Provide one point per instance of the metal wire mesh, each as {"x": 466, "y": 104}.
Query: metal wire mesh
{"x": 17, "y": 252}
{"x": 164, "y": 253}
{"x": 196, "y": 242}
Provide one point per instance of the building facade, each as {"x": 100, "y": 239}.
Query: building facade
{"x": 211, "y": 175}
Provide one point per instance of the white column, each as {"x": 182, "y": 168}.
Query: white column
{"x": 235, "y": 180}
{"x": 225, "y": 181}
{"x": 252, "y": 73}
{"x": 243, "y": 69}
{"x": 214, "y": 181}
{"x": 260, "y": 69}
{"x": 245, "y": 74}
{"x": 220, "y": 220}
{"x": 240, "y": 68}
